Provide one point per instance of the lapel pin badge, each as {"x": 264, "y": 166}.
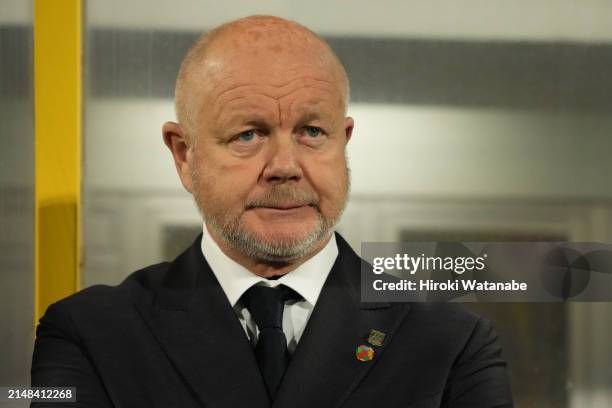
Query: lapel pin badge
{"x": 376, "y": 337}
{"x": 364, "y": 353}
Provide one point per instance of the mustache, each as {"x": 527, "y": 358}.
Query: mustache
{"x": 283, "y": 195}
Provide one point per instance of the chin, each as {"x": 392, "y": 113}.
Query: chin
{"x": 284, "y": 234}
{"x": 281, "y": 230}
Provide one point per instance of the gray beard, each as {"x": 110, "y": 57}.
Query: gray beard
{"x": 246, "y": 243}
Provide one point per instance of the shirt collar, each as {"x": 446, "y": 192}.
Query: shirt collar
{"x": 307, "y": 279}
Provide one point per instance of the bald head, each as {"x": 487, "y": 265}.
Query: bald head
{"x": 275, "y": 47}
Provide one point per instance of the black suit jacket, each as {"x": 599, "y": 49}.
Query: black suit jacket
{"x": 168, "y": 337}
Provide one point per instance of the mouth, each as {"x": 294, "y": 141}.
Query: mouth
{"x": 285, "y": 207}
{"x": 281, "y": 207}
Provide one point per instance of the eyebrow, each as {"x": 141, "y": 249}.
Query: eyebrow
{"x": 307, "y": 117}
{"x": 310, "y": 116}
{"x": 242, "y": 119}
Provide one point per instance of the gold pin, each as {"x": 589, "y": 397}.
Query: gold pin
{"x": 376, "y": 337}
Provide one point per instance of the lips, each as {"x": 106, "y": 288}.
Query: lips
{"x": 283, "y": 206}
{"x": 286, "y": 207}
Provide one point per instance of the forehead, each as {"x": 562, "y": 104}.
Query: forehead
{"x": 256, "y": 106}
{"x": 293, "y": 88}
{"x": 272, "y": 66}
{"x": 275, "y": 82}
{"x": 246, "y": 70}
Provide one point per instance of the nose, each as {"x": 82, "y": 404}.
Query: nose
{"x": 283, "y": 165}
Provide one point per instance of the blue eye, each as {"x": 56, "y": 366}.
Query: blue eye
{"x": 247, "y": 136}
{"x": 313, "y": 131}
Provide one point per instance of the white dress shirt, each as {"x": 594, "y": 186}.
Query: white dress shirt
{"x": 307, "y": 280}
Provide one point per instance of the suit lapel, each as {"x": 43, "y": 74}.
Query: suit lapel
{"x": 324, "y": 369}
{"x": 198, "y": 330}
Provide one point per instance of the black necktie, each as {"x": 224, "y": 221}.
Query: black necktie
{"x": 266, "y": 306}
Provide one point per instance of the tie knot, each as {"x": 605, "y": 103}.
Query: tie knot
{"x": 266, "y": 304}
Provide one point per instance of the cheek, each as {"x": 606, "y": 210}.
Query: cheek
{"x": 226, "y": 183}
{"x": 329, "y": 179}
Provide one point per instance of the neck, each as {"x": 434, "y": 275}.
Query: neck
{"x": 265, "y": 269}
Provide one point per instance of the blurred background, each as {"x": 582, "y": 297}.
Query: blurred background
{"x": 480, "y": 120}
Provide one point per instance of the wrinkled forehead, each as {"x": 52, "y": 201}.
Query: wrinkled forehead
{"x": 272, "y": 63}
{"x": 274, "y": 74}
{"x": 260, "y": 61}
{"x": 276, "y": 77}
{"x": 289, "y": 93}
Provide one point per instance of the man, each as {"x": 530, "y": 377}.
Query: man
{"x": 264, "y": 309}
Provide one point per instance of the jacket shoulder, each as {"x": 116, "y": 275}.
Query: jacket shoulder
{"x": 97, "y": 302}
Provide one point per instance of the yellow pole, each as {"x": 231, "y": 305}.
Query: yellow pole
{"x": 57, "y": 107}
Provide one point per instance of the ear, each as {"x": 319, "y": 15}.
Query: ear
{"x": 180, "y": 146}
{"x": 349, "y": 124}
